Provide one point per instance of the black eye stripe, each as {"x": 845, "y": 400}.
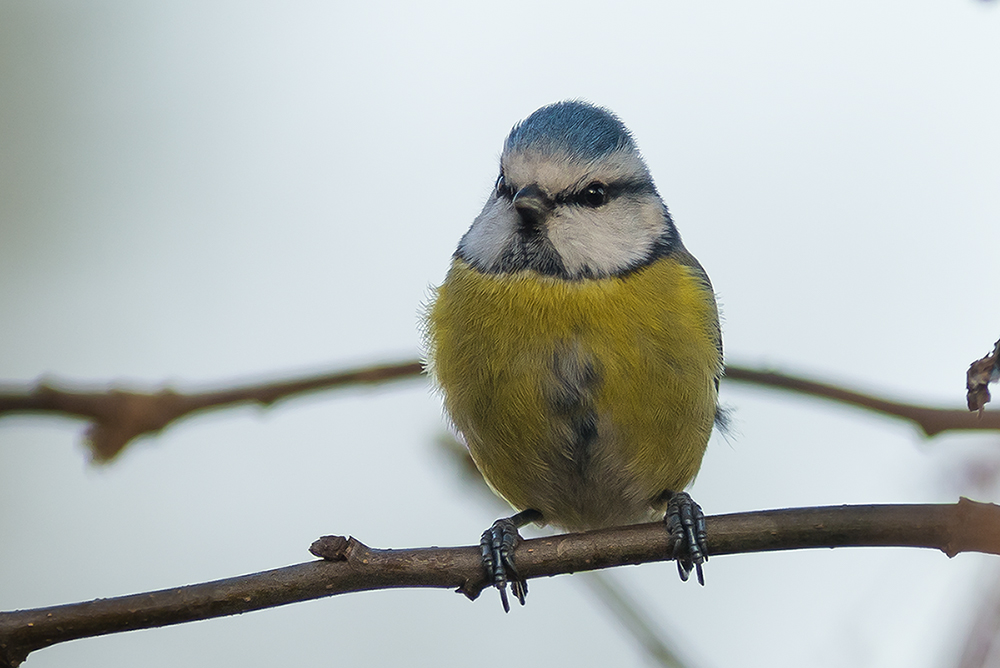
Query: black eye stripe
{"x": 576, "y": 196}
{"x": 611, "y": 190}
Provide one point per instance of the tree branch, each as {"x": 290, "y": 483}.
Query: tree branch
{"x": 931, "y": 421}
{"x": 118, "y": 416}
{"x": 349, "y": 566}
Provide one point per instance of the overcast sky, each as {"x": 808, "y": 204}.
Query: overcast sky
{"x": 202, "y": 192}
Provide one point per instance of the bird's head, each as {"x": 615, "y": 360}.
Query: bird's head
{"x": 574, "y": 199}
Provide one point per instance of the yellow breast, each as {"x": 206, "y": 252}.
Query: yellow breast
{"x": 582, "y": 399}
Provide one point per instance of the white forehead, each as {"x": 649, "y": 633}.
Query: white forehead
{"x": 556, "y": 172}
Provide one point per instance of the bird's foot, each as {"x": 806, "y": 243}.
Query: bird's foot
{"x": 686, "y": 523}
{"x": 498, "y": 544}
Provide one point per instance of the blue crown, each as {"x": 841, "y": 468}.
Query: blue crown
{"x": 572, "y": 127}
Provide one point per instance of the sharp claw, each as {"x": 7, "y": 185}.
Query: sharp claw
{"x": 518, "y": 585}
{"x": 686, "y": 524}
{"x": 520, "y": 589}
{"x": 497, "y": 545}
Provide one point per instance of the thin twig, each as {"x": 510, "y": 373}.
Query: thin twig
{"x": 983, "y": 638}
{"x": 118, "y": 416}
{"x": 349, "y": 566}
{"x": 636, "y": 621}
{"x": 932, "y": 421}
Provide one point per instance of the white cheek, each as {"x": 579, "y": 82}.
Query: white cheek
{"x": 608, "y": 239}
{"x": 491, "y": 234}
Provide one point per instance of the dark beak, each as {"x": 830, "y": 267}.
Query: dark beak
{"x": 533, "y": 206}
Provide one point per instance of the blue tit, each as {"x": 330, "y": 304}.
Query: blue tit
{"x": 576, "y": 341}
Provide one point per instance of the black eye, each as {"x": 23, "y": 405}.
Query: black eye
{"x": 503, "y": 190}
{"x": 594, "y": 195}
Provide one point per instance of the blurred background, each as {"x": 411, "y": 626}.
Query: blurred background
{"x": 196, "y": 193}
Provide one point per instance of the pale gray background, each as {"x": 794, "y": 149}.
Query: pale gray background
{"x": 201, "y": 191}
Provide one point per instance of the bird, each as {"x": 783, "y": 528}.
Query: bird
{"x": 576, "y": 342}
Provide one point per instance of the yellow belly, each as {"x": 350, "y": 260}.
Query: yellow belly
{"x": 584, "y": 400}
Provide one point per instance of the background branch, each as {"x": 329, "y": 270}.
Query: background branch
{"x": 118, "y": 416}
{"x": 931, "y": 421}
{"x": 348, "y": 565}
